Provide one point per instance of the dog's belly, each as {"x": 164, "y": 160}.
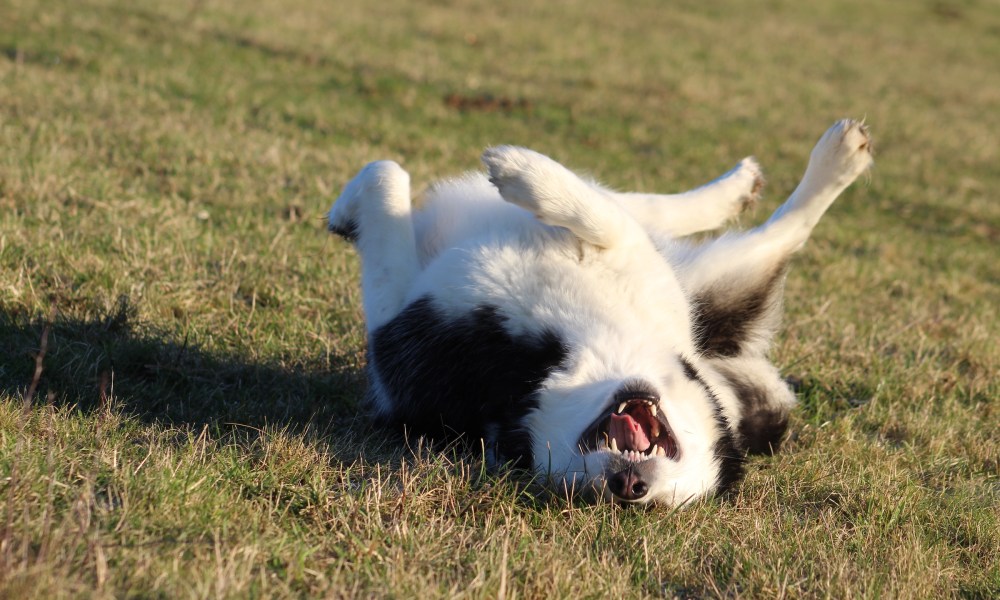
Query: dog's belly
{"x": 490, "y": 322}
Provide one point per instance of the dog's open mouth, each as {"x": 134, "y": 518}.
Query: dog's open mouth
{"x": 634, "y": 428}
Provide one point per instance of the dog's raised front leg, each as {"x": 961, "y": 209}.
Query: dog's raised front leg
{"x": 736, "y": 281}
{"x": 557, "y": 196}
{"x": 701, "y": 209}
{"x": 840, "y": 156}
{"x": 736, "y": 284}
{"x": 374, "y": 212}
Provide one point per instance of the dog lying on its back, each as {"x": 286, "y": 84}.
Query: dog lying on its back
{"x": 564, "y": 324}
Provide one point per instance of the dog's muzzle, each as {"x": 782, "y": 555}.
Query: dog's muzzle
{"x": 634, "y": 431}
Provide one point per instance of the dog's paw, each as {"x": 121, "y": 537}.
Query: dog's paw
{"x": 380, "y": 179}
{"x": 520, "y": 175}
{"x": 750, "y": 179}
{"x": 557, "y": 196}
{"x": 844, "y": 151}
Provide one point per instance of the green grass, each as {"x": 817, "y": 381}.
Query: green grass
{"x": 164, "y": 173}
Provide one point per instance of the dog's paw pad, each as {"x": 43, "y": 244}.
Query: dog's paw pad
{"x": 858, "y": 137}
{"x": 845, "y": 147}
{"x": 752, "y": 176}
{"x": 517, "y": 173}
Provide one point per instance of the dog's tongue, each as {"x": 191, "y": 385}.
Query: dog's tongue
{"x": 627, "y": 432}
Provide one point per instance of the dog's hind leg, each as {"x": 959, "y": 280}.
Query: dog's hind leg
{"x": 701, "y": 209}
{"x": 374, "y": 212}
{"x": 557, "y": 196}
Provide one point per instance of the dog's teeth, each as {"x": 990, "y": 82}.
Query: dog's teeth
{"x": 659, "y": 451}
{"x": 654, "y": 428}
{"x": 614, "y": 445}
{"x": 652, "y": 409}
{"x": 621, "y": 407}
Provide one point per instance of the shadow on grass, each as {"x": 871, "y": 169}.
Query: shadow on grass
{"x": 152, "y": 377}
{"x": 157, "y": 379}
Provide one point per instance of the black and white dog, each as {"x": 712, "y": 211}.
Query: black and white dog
{"x": 566, "y": 326}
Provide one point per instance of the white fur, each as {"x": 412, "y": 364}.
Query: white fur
{"x": 558, "y": 253}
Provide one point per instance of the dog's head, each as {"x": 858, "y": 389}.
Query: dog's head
{"x": 660, "y": 438}
{"x": 666, "y": 445}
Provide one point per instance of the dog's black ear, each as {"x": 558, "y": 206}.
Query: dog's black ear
{"x": 765, "y": 401}
{"x": 739, "y": 315}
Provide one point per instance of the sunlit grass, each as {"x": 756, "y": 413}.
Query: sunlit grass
{"x": 194, "y": 433}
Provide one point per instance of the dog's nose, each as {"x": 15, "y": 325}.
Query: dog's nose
{"x": 627, "y": 485}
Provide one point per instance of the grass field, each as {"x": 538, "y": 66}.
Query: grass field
{"x": 164, "y": 172}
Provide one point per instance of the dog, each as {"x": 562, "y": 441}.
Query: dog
{"x": 568, "y": 329}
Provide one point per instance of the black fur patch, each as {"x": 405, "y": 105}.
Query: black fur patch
{"x": 763, "y": 431}
{"x": 457, "y": 378}
{"x": 349, "y": 231}
{"x": 724, "y": 322}
{"x": 690, "y": 371}
{"x": 762, "y": 426}
{"x": 726, "y": 450}
{"x": 731, "y": 460}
